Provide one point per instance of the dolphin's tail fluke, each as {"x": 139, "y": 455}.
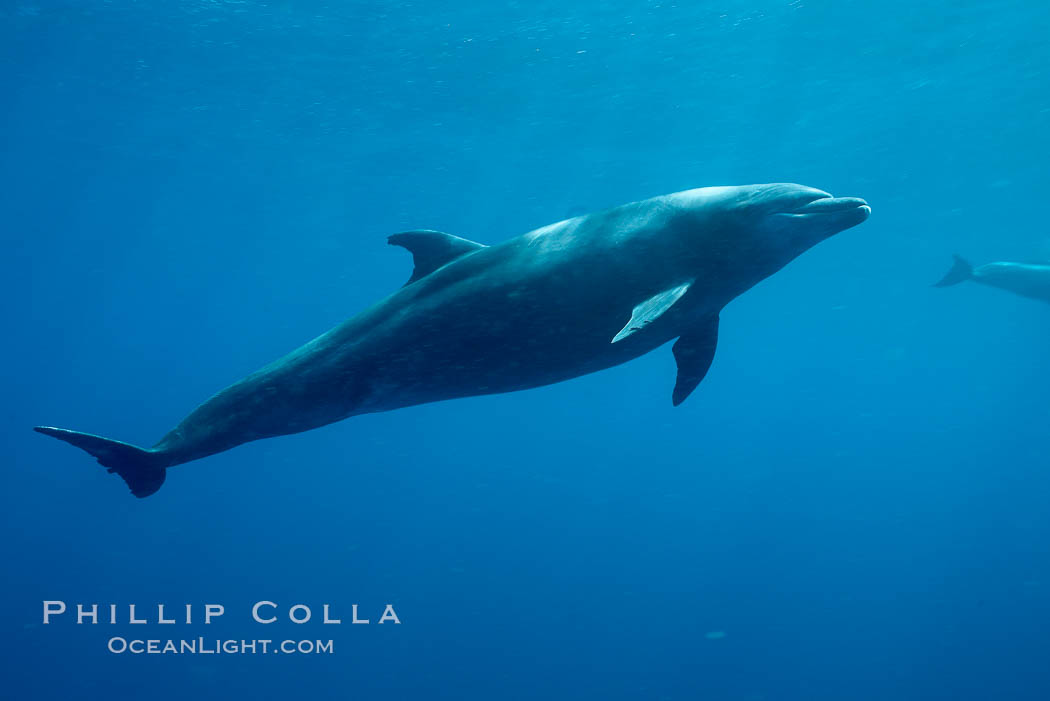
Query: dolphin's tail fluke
{"x": 961, "y": 272}
{"x": 143, "y": 470}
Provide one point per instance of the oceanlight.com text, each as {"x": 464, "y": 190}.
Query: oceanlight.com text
{"x": 214, "y": 646}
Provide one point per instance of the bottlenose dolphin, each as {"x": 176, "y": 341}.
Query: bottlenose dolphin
{"x": 1025, "y": 279}
{"x": 556, "y": 303}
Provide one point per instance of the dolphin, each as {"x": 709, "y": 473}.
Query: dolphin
{"x": 556, "y": 303}
{"x": 1025, "y": 279}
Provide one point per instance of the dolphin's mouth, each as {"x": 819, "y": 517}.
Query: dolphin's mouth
{"x": 826, "y": 204}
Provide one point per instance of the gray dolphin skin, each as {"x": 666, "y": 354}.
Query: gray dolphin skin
{"x": 1024, "y": 279}
{"x": 559, "y": 302}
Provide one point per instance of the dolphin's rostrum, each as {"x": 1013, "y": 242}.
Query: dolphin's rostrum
{"x": 556, "y": 303}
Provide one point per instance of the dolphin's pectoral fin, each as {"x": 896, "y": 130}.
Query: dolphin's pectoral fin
{"x": 693, "y": 352}
{"x": 432, "y": 249}
{"x": 650, "y": 310}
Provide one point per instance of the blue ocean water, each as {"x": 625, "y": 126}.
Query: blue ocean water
{"x": 852, "y": 505}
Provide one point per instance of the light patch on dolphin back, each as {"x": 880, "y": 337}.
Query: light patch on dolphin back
{"x": 651, "y": 309}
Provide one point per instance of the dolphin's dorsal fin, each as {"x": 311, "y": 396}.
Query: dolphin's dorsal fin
{"x": 432, "y": 249}
{"x": 650, "y": 310}
{"x": 693, "y": 351}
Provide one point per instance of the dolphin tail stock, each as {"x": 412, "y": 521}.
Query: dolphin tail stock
{"x": 142, "y": 470}
{"x": 961, "y": 272}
